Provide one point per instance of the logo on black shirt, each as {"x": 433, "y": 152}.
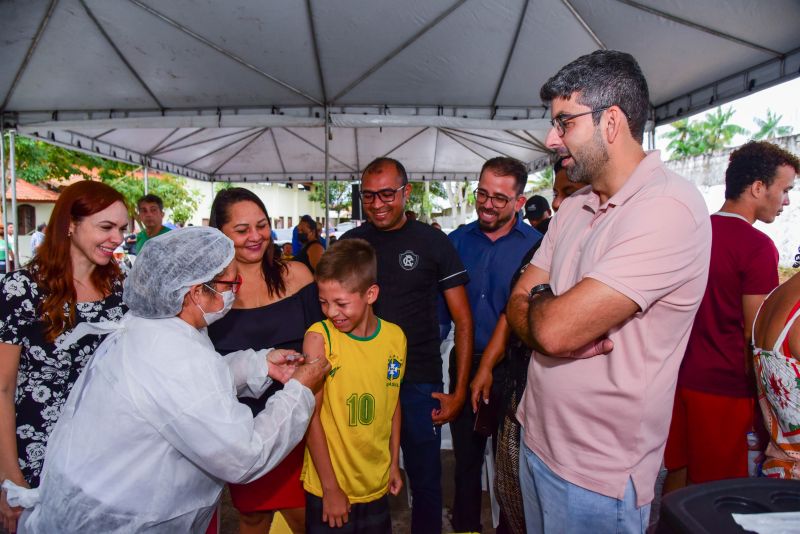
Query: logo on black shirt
{"x": 408, "y": 260}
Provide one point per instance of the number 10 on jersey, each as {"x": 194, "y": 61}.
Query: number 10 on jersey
{"x": 361, "y": 409}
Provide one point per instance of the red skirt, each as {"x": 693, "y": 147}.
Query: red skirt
{"x": 279, "y": 489}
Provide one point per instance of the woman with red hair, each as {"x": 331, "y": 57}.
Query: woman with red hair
{"x": 72, "y": 279}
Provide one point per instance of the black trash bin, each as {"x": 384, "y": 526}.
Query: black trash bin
{"x": 707, "y": 508}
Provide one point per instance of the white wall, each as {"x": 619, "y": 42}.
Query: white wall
{"x": 280, "y": 201}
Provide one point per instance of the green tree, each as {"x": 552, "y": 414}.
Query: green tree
{"x": 540, "y": 181}
{"x": 219, "y": 186}
{"x": 768, "y": 127}
{"x": 719, "y": 131}
{"x": 693, "y": 138}
{"x": 686, "y": 139}
{"x": 180, "y": 202}
{"x": 339, "y": 194}
{"x": 421, "y": 198}
{"x": 37, "y": 161}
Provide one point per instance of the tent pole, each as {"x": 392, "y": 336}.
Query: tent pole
{"x": 3, "y": 189}
{"x": 146, "y": 185}
{"x": 11, "y": 155}
{"x": 327, "y": 154}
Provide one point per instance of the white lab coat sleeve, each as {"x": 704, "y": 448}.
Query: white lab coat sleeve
{"x": 249, "y": 369}
{"x": 220, "y": 435}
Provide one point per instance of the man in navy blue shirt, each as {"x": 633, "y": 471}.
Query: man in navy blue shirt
{"x": 491, "y": 249}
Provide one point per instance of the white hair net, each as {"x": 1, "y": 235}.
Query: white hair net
{"x": 169, "y": 265}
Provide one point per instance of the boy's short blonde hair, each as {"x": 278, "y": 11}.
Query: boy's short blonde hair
{"x": 351, "y": 262}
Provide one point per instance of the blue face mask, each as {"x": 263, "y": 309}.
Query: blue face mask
{"x": 227, "y": 303}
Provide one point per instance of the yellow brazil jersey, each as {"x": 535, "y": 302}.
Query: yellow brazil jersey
{"x": 359, "y": 398}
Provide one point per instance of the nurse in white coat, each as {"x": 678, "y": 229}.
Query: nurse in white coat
{"x": 152, "y": 429}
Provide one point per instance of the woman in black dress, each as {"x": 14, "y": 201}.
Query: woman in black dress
{"x": 73, "y": 278}
{"x": 277, "y": 302}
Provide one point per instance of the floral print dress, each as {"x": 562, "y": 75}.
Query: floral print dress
{"x": 46, "y": 374}
{"x": 778, "y": 381}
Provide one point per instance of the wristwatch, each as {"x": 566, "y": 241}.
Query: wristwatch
{"x": 538, "y": 290}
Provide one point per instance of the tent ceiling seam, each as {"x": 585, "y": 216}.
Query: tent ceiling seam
{"x": 315, "y": 44}
{"x": 399, "y": 49}
{"x": 487, "y": 147}
{"x": 484, "y": 158}
{"x": 176, "y": 141}
{"x": 250, "y": 142}
{"x": 585, "y": 25}
{"x": 508, "y": 57}
{"x": 406, "y": 141}
{"x": 164, "y": 140}
{"x": 24, "y": 65}
{"x": 533, "y": 144}
{"x": 97, "y": 137}
{"x": 699, "y": 27}
{"x": 120, "y": 54}
{"x": 277, "y": 149}
{"x": 320, "y": 149}
{"x": 537, "y": 142}
{"x": 671, "y": 116}
{"x": 223, "y": 147}
{"x": 224, "y": 52}
{"x": 245, "y": 131}
{"x": 509, "y": 142}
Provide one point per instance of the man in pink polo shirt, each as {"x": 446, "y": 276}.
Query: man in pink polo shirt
{"x": 620, "y": 272}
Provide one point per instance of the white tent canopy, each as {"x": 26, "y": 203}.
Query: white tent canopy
{"x": 261, "y": 90}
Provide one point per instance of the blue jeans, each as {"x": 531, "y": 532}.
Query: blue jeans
{"x": 554, "y": 505}
{"x": 421, "y": 441}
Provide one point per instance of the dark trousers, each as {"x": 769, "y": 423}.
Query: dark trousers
{"x": 421, "y": 442}
{"x": 468, "y": 449}
{"x": 364, "y": 518}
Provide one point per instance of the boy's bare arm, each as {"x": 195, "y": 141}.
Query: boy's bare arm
{"x": 335, "y": 505}
{"x": 395, "y": 478}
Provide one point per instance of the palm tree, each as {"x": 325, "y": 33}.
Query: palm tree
{"x": 719, "y": 131}
{"x": 686, "y": 139}
{"x": 768, "y": 128}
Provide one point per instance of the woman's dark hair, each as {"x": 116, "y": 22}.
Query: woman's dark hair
{"x": 272, "y": 266}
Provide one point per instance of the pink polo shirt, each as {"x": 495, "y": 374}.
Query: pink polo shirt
{"x": 598, "y": 421}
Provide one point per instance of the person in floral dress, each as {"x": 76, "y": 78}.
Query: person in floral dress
{"x": 72, "y": 279}
{"x": 776, "y": 338}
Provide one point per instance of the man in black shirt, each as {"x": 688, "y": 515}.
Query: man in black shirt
{"x": 415, "y": 263}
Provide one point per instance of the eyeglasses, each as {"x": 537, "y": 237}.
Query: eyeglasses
{"x": 234, "y": 284}
{"x": 498, "y": 201}
{"x": 560, "y": 121}
{"x": 386, "y": 195}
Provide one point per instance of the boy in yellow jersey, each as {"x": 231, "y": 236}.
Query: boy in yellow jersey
{"x": 353, "y": 441}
